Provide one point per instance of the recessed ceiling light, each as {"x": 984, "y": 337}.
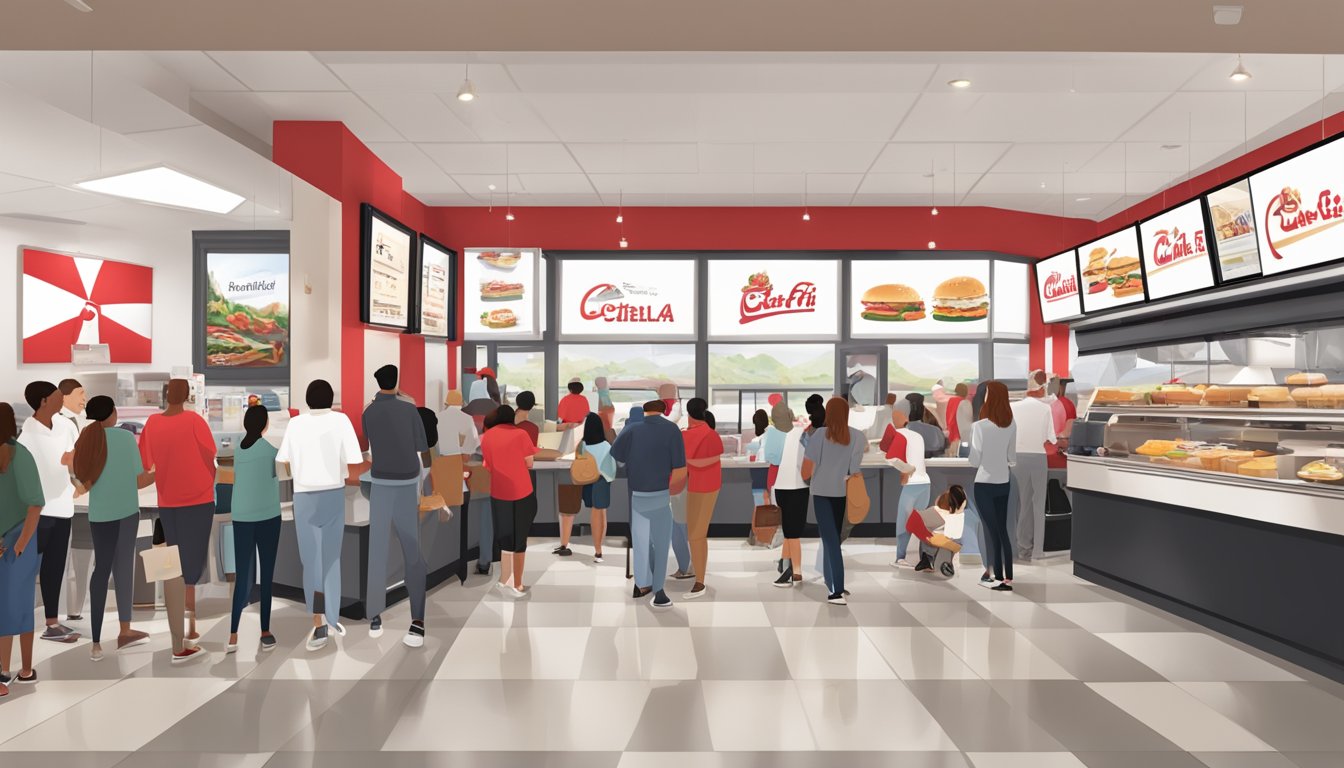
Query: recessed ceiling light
{"x": 1171, "y": 146}
{"x": 932, "y": 245}
{"x": 1240, "y": 74}
{"x": 620, "y": 218}
{"x": 492, "y": 187}
{"x": 162, "y": 185}
{"x": 1227, "y": 15}
{"x": 960, "y": 82}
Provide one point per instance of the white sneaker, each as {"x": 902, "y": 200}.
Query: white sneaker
{"x": 515, "y": 592}
{"x": 414, "y": 639}
{"x": 376, "y": 627}
{"x": 693, "y": 594}
{"x": 340, "y": 629}
{"x": 316, "y": 643}
{"x": 901, "y": 562}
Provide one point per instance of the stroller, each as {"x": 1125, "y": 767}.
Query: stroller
{"x": 936, "y": 547}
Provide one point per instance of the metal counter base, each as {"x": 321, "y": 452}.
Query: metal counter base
{"x": 1270, "y": 586}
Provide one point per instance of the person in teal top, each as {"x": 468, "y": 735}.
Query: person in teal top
{"x": 21, "y": 503}
{"x": 256, "y": 522}
{"x": 107, "y": 466}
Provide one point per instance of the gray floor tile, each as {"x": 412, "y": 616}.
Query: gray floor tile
{"x": 1143, "y": 760}
{"x": 819, "y": 759}
{"x": 978, "y": 719}
{"x": 445, "y": 759}
{"x": 261, "y": 716}
{"x": 64, "y": 759}
{"x": 196, "y": 760}
{"x": 1244, "y": 760}
{"x": 674, "y": 720}
{"x": 1288, "y": 716}
{"x": 364, "y": 716}
{"x": 1088, "y": 658}
{"x": 1078, "y": 718}
{"x": 1316, "y": 759}
{"x": 739, "y": 653}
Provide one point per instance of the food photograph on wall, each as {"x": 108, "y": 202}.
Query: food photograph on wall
{"x": 900, "y": 297}
{"x": 247, "y": 310}
{"x": 501, "y": 298}
{"x": 1234, "y": 231}
{"x": 1111, "y": 271}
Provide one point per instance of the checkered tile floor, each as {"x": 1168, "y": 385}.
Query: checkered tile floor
{"x": 944, "y": 673}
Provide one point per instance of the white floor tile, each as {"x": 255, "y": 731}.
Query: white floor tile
{"x": 756, "y": 716}
{"x": 534, "y": 653}
{"x": 831, "y": 653}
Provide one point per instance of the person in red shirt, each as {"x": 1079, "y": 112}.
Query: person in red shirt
{"x": 573, "y": 408}
{"x": 507, "y": 453}
{"x": 177, "y": 447}
{"x": 525, "y": 402}
{"x": 704, "y": 452}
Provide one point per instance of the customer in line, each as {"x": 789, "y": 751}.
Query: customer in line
{"x": 459, "y": 438}
{"x": 1035, "y": 440}
{"x": 605, "y": 408}
{"x": 507, "y": 452}
{"x": 905, "y": 451}
{"x": 959, "y": 420}
{"x": 815, "y": 407}
{"x": 993, "y": 454}
{"x": 1063, "y": 414}
{"x": 830, "y": 459}
{"x": 107, "y": 464}
{"x": 51, "y": 441}
{"x": 670, "y": 394}
{"x": 704, "y": 461}
{"x": 256, "y": 523}
{"x": 655, "y": 461}
{"x": 177, "y": 446}
{"x": 522, "y": 415}
{"x": 483, "y": 397}
{"x": 321, "y": 452}
{"x": 400, "y": 452}
{"x": 81, "y": 541}
{"x": 597, "y": 495}
{"x": 21, "y": 503}
{"x": 573, "y": 407}
{"x": 784, "y": 452}
{"x": 935, "y": 442}
{"x": 681, "y": 544}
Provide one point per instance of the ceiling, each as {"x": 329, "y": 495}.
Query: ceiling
{"x": 1079, "y": 134}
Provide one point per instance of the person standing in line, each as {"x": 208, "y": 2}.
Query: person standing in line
{"x": 959, "y": 420}
{"x": 483, "y": 397}
{"x": 522, "y": 415}
{"x": 993, "y": 454}
{"x": 1035, "y": 441}
{"x": 400, "y": 453}
{"x": 816, "y": 413}
{"x": 935, "y": 442}
{"x": 681, "y": 544}
{"x": 597, "y": 495}
{"x": 785, "y": 455}
{"x": 655, "y": 460}
{"x": 832, "y": 457}
{"x": 573, "y": 407}
{"x": 178, "y": 447}
{"x": 459, "y": 437}
{"x": 507, "y": 452}
{"x": 670, "y": 394}
{"x": 51, "y": 441}
{"x": 107, "y": 464}
{"x": 21, "y": 503}
{"x": 256, "y": 523}
{"x": 1063, "y": 414}
{"x": 704, "y": 461}
{"x": 916, "y": 487}
{"x": 81, "y": 542}
{"x": 321, "y": 452}
{"x": 605, "y": 408}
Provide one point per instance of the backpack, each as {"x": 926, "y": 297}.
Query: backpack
{"x": 584, "y": 469}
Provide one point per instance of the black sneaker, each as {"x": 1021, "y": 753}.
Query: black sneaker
{"x": 785, "y": 580}
{"x": 376, "y": 627}
{"x": 268, "y": 642}
{"x": 482, "y": 571}
{"x": 640, "y": 592}
{"x": 661, "y": 600}
{"x": 837, "y": 599}
{"x": 1002, "y": 587}
{"x": 29, "y": 680}
{"x": 564, "y": 552}
{"x": 779, "y": 565}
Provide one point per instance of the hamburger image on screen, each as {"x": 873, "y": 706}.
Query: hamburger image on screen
{"x": 960, "y": 299}
{"x": 1095, "y": 272}
{"x": 1124, "y": 277}
{"x": 892, "y": 302}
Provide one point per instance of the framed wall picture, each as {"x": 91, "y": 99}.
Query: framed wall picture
{"x": 68, "y": 299}
{"x": 437, "y": 289}
{"x": 501, "y": 293}
{"x": 242, "y": 328}
{"x": 388, "y": 265}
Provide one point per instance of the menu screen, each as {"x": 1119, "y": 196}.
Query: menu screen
{"x": 1111, "y": 274}
{"x": 388, "y": 271}
{"x": 437, "y": 297}
{"x": 500, "y": 293}
{"x": 1299, "y": 207}
{"x": 1057, "y": 288}
{"x": 1234, "y": 237}
{"x": 1176, "y": 252}
{"x": 640, "y": 297}
{"x": 765, "y": 298}
{"x": 900, "y": 297}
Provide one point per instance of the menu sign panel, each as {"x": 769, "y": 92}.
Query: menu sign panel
{"x": 500, "y": 293}
{"x": 763, "y": 298}
{"x": 1057, "y": 288}
{"x": 437, "y": 297}
{"x": 919, "y": 298}
{"x": 1234, "y": 237}
{"x": 388, "y": 274}
{"x": 1111, "y": 274}
{"x": 1176, "y": 252}
{"x": 609, "y": 297}
{"x": 1299, "y": 207}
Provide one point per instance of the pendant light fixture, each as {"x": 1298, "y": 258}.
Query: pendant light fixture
{"x": 467, "y": 93}
{"x": 508, "y": 192}
{"x": 620, "y": 207}
{"x": 807, "y": 215}
{"x": 1241, "y": 74}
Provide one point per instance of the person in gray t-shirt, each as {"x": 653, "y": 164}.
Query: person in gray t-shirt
{"x": 832, "y": 456}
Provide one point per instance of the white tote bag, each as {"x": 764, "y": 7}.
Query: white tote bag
{"x": 162, "y": 563}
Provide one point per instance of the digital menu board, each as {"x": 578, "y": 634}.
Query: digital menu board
{"x": 899, "y": 297}
{"x": 1110, "y": 271}
{"x": 1176, "y": 252}
{"x": 1057, "y": 288}
{"x": 1299, "y": 207}
{"x": 1010, "y": 298}
{"x": 501, "y": 292}
{"x": 644, "y": 298}
{"x": 438, "y": 296}
{"x": 387, "y": 258}
{"x": 763, "y": 298}
{"x": 1234, "y": 237}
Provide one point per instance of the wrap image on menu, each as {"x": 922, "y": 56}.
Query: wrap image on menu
{"x": 247, "y": 310}
{"x": 1234, "y": 230}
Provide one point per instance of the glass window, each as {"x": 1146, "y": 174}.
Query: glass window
{"x": 521, "y": 370}
{"x": 1012, "y": 361}
{"x": 743, "y": 376}
{"x": 917, "y": 367}
{"x": 633, "y": 371}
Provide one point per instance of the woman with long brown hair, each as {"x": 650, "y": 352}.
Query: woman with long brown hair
{"x": 107, "y": 464}
{"x": 21, "y": 503}
{"x": 831, "y": 458}
{"x": 993, "y": 453}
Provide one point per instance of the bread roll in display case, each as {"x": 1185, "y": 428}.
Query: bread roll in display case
{"x": 1232, "y": 517}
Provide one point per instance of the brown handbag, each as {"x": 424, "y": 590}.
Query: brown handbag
{"x": 445, "y": 475}
{"x": 583, "y": 470}
{"x": 569, "y": 499}
{"x": 479, "y": 482}
{"x": 856, "y": 499}
{"x": 765, "y": 520}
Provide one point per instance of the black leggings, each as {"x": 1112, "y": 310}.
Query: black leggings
{"x": 53, "y": 542}
{"x": 114, "y": 556}
{"x": 263, "y": 537}
{"x": 991, "y": 501}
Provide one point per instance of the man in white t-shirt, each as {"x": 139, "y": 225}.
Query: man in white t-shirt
{"x": 915, "y": 492}
{"x": 1035, "y": 430}
{"x": 51, "y": 440}
{"x": 321, "y": 451}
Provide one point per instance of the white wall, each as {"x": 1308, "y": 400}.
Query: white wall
{"x": 314, "y": 263}
{"x": 436, "y": 373}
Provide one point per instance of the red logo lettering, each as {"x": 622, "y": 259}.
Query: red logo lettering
{"x": 617, "y": 311}
{"x": 1285, "y": 215}
{"x": 1058, "y": 287}
{"x": 1171, "y": 246}
{"x": 759, "y": 302}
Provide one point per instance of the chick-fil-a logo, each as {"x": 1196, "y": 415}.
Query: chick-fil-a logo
{"x": 1173, "y": 245}
{"x": 760, "y": 301}
{"x": 1286, "y": 215}
{"x": 1057, "y": 286}
{"x": 615, "y": 311}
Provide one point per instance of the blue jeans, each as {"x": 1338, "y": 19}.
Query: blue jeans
{"x": 681, "y": 546}
{"x": 395, "y": 508}
{"x": 650, "y": 537}
{"x": 914, "y": 496}
{"x": 252, "y": 543}
{"x": 830, "y": 518}
{"x": 319, "y": 525}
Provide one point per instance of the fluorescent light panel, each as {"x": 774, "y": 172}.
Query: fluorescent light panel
{"x": 164, "y": 186}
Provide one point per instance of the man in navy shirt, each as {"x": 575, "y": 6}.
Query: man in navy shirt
{"x": 654, "y": 455}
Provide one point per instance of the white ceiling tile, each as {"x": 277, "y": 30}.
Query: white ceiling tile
{"x": 197, "y": 70}
{"x": 418, "y": 116}
{"x": 9, "y": 183}
{"x": 815, "y": 157}
{"x": 617, "y": 117}
{"x": 1269, "y": 72}
{"x": 496, "y": 158}
{"x": 674, "y": 183}
{"x": 555, "y": 183}
{"x": 478, "y": 185}
{"x": 278, "y": 70}
{"x": 418, "y": 173}
{"x": 727, "y": 158}
{"x": 501, "y": 117}
{"x": 1025, "y": 117}
{"x": 58, "y": 78}
{"x": 418, "y": 73}
{"x": 242, "y": 108}
{"x": 800, "y": 117}
{"x": 345, "y": 107}
{"x": 919, "y": 157}
{"x": 917, "y": 184}
{"x": 453, "y": 199}
{"x": 637, "y": 158}
{"x": 817, "y": 185}
{"x": 50, "y": 200}
{"x": 1047, "y": 158}
{"x": 1062, "y": 72}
